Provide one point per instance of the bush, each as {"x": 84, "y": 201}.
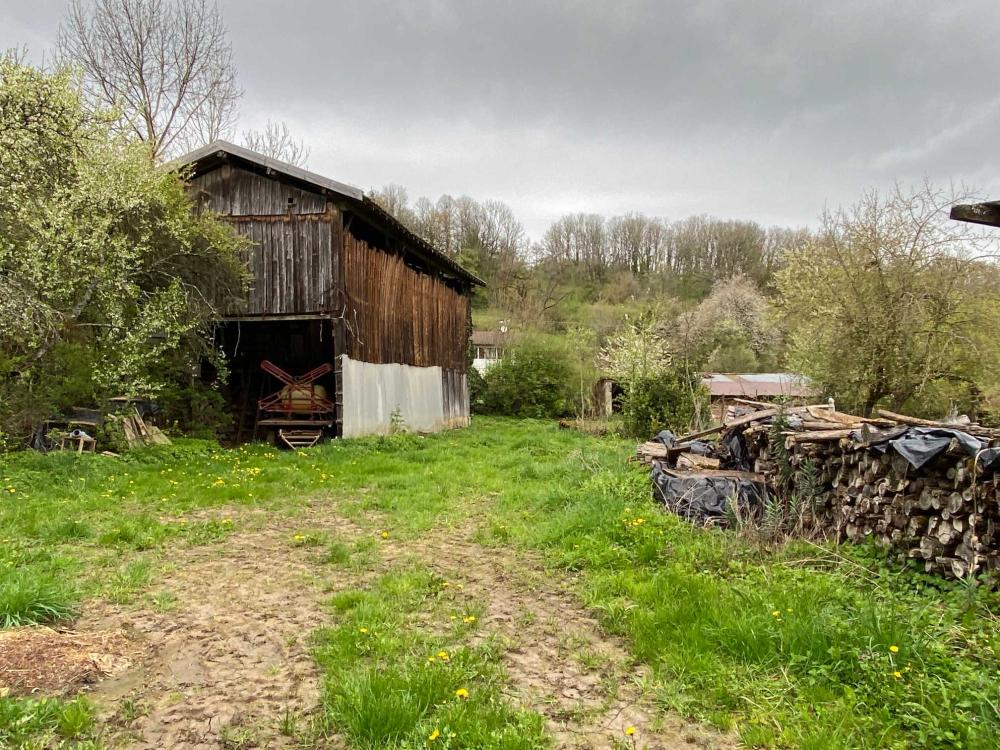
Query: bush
{"x": 531, "y": 380}
{"x": 477, "y": 391}
{"x": 195, "y": 409}
{"x": 658, "y": 402}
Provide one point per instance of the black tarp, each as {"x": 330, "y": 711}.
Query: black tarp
{"x": 918, "y": 445}
{"x": 707, "y": 499}
{"x": 989, "y": 461}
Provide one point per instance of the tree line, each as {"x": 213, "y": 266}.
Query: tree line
{"x": 590, "y": 249}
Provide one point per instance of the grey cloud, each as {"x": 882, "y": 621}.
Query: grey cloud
{"x": 765, "y": 110}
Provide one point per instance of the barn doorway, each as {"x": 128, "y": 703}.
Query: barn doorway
{"x": 294, "y": 345}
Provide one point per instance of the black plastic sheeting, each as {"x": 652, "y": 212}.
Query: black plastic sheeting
{"x": 707, "y": 500}
{"x": 918, "y": 445}
{"x": 989, "y": 461}
{"x": 734, "y": 452}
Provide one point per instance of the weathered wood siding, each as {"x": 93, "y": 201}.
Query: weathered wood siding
{"x": 232, "y": 191}
{"x": 397, "y": 314}
{"x": 455, "y": 392}
{"x": 292, "y": 258}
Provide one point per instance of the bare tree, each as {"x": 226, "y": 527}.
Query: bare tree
{"x": 394, "y": 199}
{"x": 166, "y": 67}
{"x": 276, "y": 141}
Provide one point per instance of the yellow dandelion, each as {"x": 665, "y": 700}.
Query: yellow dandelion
{"x": 362, "y": 630}
{"x": 894, "y": 649}
{"x": 630, "y": 730}
{"x": 469, "y": 619}
{"x": 433, "y": 735}
{"x": 462, "y": 693}
{"x": 384, "y": 535}
{"x": 898, "y": 675}
{"x": 776, "y": 613}
{"x": 443, "y": 655}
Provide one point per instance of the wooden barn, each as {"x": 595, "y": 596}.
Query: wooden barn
{"x": 361, "y": 326}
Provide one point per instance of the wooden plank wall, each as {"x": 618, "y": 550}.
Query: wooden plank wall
{"x": 455, "y": 387}
{"x": 232, "y": 191}
{"x": 292, "y": 230}
{"x": 292, "y": 266}
{"x": 397, "y": 314}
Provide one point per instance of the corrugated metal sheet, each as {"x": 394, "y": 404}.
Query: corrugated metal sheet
{"x": 426, "y": 399}
{"x": 757, "y": 384}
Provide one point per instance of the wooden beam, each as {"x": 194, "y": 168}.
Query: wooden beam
{"x": 747, "y": 419}
{"x": 977, "y": 213}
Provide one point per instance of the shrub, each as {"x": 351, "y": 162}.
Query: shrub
{"x": 31, "y": 598}
{"x": 661, "y": 401}
{"x": 531, "y": 380}
{"x": 477, "y": 391}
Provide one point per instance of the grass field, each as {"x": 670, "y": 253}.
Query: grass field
{"x": 788, "y": 646}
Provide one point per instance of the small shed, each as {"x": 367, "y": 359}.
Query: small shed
{"x": 723, "y": 387}
{"x": 340, "y": 288}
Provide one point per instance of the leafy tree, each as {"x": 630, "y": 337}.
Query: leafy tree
{"x": 530, "y": 380}
{"x": 669, "y": 399}
{"x": 100, "y": 252}
{"x": 892, "y": 300}
{"x": 637, "y": 351}
{"x": 731, "y": 330}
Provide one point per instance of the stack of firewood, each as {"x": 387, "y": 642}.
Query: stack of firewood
{"x": 856, "y": 482}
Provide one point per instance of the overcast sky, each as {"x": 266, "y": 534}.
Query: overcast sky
{"x": 756, "y": 110}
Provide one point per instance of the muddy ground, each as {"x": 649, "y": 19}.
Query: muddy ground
{"x": 224, "y": 660}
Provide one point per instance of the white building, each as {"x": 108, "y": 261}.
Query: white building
{"x": 488, "y": 348}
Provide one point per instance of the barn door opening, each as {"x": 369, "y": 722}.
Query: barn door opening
{"x": 296, "y": 346}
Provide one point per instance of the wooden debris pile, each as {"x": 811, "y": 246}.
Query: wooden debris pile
{"x": 929, "y": 489}
{"x": 135, "y": 431}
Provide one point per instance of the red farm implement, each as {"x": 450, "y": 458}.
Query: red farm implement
{"x": 300, "y": 409}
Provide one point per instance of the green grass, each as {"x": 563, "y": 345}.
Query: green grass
{"x": 29, "y": 723}
{"x": 393, "y": 681}
{"x": 28, "y": 598}
{"x": 697, "y": 606}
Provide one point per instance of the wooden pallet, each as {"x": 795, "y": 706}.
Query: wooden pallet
{"x": 300, "y": 438}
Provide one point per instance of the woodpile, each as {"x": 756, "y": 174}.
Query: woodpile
{"x": 136, "y": 432}
{"x": 928, "y": 489}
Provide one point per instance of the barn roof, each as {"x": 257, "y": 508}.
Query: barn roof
{"x": 216, "y": 153}
{"x": 757, "y": 384}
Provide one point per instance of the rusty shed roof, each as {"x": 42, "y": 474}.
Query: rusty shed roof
{"x": 758, "y": 384}
{"x": 218, "y": 152}
{"x": 488, "y": 338}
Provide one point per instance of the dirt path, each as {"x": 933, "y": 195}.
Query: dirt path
{"x": 224, "y": 667}
{"x": 559, "y": 662}
{"x": 232, "y": 658}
